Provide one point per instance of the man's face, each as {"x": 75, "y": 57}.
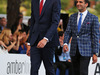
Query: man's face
{"x": 81, "y": 5}
{"x": 3, "y": 22}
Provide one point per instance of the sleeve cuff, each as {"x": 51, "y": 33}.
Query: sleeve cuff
{"x": 46, "y": 39}
{"x": 28, "y": 43}
{"x": 65, "y": 44}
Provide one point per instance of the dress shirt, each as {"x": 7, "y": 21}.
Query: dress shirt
{"x": 83, "y": 16}
{"x": 43, "y": 1}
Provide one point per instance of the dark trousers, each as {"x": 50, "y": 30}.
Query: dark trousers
{"x": 45, "y": 55}
{"x": 63, "y": 66}
{"x": 80, "y": 64}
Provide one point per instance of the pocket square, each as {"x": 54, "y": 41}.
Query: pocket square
{"x": 88, "y": 22}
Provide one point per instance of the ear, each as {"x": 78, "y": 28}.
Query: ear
{"x": 86, "y": 4}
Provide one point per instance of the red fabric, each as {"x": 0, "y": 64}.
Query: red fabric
{"x": 41, "y": 6}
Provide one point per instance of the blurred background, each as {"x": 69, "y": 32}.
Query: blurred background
{"x": 16, "y": 15}
{"x": 11, "y": 7}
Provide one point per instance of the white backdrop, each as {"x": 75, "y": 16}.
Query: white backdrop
{"x": 19, "y": 64}
{"x": 94, "y": 69}
{"x": 16, "y": 64}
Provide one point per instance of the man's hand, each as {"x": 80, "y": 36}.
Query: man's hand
{"x": 65, "y": 48}
{"x": 42, "y": 43}
{"x": 94, "y": 59}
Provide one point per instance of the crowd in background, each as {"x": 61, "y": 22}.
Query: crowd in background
{"x": 14, "y": 39}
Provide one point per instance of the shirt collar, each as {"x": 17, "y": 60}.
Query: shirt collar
{"x": 43, "y": 0}
{"x": 83, "y": 13}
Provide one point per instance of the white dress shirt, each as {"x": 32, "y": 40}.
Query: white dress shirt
{"x": 43, "y": 1}
{"x": 83, "y": 16}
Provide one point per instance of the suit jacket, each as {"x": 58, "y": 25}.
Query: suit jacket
{"x": 45, "y": 25}
{"x": 88, "y": 37}
{"x": 58, "y": 51}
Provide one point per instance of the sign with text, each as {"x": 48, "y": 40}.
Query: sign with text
{"x": 16, "y": 64}
{"x": 19, "y": 64}
{"x": 94, "y": 69}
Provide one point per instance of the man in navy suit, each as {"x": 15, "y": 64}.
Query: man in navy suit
{"x": 83, "y": 27}
{"x": 43, "y": 36}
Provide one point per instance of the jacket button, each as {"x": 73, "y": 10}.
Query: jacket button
{"x": 77, "y": 36}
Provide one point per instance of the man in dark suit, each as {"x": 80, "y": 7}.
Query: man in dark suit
{"x": 83, "y": 27}
{"x": 43, "y": 36}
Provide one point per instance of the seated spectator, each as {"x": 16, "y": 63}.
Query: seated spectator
{"x": 16, "y": 27}
{"x": 24, "y": 27}
{"x": 63, "y": 60}
{"x": 8, "y": 41}
{"x": 3, "y": 49}
{"x": 23, "y": 45}
{"x": 2, "y": 44}
{"x": 3, "y": 23}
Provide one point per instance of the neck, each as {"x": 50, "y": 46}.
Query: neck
{"x": 82, "y": 11}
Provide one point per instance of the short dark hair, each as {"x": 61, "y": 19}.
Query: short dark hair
{"x": 20, "y": 13}
{"x": 22, "y": 30}
{"x": 60, "y": 33}
{"x": 2, "y": 18}
{"x": 86, "y": 1}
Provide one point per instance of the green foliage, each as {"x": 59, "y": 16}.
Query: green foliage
{"x": 27, "y": 5}
{"x": 64, "y": 4}
{"x": 3, "y": 6}
{"x": 98, "y": 8}
{"x": 72, "y": 10}
{"x": 28, "y": 13}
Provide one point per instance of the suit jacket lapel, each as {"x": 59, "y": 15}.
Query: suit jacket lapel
{"x": 75, "y": 23}
{"x": 44, "y": 7}
{"x": 84, "y": 22}
{"x": 36, "y": 8}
